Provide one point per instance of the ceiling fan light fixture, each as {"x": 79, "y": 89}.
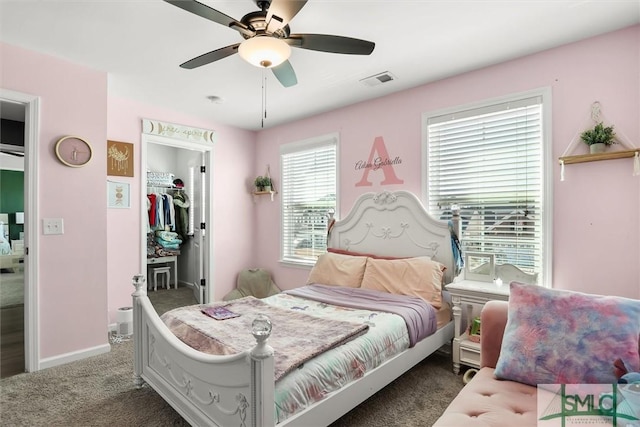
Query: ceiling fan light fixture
{"x": 264, "y": 51}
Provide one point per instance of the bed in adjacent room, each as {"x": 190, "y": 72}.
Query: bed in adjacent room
{"x": 309, "y": 355}
{"x": 10, "y": 259}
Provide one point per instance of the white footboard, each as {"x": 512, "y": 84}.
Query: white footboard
{"x": 239, "y": 390}
{"x": 208, "y": 390}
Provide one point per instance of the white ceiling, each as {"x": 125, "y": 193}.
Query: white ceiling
{"x": 12, "y": 111}
{"x": 140, "y": 43}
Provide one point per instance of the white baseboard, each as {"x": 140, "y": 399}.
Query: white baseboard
{"x": 73, "y": 356}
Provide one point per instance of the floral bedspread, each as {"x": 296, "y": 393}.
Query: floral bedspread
{"x": 386, "y": 337}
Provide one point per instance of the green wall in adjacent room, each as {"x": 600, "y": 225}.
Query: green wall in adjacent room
{"x": 12, "y": 199}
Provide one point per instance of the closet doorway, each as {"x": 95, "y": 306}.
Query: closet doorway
{"x": 171, "y": 153}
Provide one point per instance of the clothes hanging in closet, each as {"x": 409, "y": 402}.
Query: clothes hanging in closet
{"x": 181, "y": 203}
{"x": 161, "y": 212}
{"x": 162, "y": 240}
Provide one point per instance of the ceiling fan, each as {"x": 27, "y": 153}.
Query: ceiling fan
{"x": 268, "y": 39}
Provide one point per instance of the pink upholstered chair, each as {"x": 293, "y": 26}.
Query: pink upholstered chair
{"x": 486, "y": 401}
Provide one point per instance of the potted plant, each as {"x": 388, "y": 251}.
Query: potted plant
{"x": 263, "y": 183}
{"x": 259, "y": 183}
{"x": 598, "y": 138}
{"x": 266, "y": 181}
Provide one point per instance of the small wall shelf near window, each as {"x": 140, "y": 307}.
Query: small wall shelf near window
{"x": 264, "y": 185}
{"x": 583, "y": 158}
{"x": 604, "y": 136}
{"x": 265, "y": 193}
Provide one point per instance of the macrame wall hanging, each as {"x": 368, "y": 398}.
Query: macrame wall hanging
{"x": 621, "y": 138}
{"x": 268, "y": 175}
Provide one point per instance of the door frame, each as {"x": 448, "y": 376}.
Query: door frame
{"x": 31, "y": 231}
{"x": 189, "y": 138}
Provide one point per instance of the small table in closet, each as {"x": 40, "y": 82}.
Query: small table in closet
{"x": 166, "y": 260}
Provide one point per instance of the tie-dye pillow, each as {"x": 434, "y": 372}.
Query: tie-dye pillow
{"x": 564, "y": 337}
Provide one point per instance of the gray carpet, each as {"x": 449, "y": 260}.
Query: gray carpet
{"x": 98, "y": 391}
{"x": 164, "y": 300}
{"x": 11, "y": 288}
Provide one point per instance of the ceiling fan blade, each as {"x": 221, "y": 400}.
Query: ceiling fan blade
{"x": 285, "y": 74}
{"x": 281, "y": 12}
{"x": 211, "y": 14}
{"x": 210, "y": 57}
{"x": 329, "y": 43}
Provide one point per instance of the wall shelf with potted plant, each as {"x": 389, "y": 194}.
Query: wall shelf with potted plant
{"x": 599, "y": 138}
{"x": 582, "y": 158}
{"x": 264, "y": 186}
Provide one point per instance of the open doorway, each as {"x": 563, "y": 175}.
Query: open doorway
{"x": 12, "y": 117}
{"x": 176, "y": 241}
{"x": 19, "y": 114}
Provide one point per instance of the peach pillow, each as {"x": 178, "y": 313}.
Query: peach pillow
{"x": 338, "y": 270}
{"x": 346, "y": 252}
{"x": 420, "y": 277}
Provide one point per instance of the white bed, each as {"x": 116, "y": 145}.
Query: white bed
{"x": 239, "y": 389}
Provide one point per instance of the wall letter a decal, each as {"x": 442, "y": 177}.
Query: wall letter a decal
{"x": 379, "y": 160}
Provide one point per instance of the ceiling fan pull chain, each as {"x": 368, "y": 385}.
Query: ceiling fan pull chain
{"x": 263, "y": 113}
{"x": 264, "y": 96}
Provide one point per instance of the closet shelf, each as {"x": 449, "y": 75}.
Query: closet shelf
{"x": 583, "y": 158}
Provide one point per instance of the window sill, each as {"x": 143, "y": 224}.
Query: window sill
{"x": 297, "y": 264}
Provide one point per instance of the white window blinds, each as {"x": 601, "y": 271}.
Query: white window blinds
{"x": 488, "y": 162}
{"x": 308, "y": 194}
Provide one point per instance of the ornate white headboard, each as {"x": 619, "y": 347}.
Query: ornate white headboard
{"x": 394, "y": 224}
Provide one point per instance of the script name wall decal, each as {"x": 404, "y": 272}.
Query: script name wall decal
{"x": 379, "y": 160}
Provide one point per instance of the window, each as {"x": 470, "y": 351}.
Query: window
{"x": 309, "y": 187}
{"x": 489, "y": 161}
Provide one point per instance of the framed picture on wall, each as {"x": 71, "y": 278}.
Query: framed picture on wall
{"x": 119, "y": 158}
{"x": 118, "y": 195}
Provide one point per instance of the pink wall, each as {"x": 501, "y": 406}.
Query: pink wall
{"x": 596, "y": 211}
{"x": 233, "y": 210}
{"x": 85, "y": 274}
{"x": 72, "y": 272}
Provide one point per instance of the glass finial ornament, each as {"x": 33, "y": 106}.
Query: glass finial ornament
{"x": 261, "y": 327}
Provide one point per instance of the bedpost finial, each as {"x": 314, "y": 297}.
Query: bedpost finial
{"x": 261, "y": 330}
{"x": 261, "y": 327}
{"x": 138, "y": 282}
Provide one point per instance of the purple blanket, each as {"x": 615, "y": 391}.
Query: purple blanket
{"x": 419, "y": 315}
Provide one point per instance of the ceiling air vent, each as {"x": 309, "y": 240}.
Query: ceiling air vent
{"x": 378, "y": 79}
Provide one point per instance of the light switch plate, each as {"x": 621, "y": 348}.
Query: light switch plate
{"x": 52, "y": 226}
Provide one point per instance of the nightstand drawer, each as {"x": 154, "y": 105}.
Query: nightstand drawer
{"x": 470, "y": 353}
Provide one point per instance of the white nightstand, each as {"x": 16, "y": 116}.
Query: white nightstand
{"x": 470, "y": 293}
